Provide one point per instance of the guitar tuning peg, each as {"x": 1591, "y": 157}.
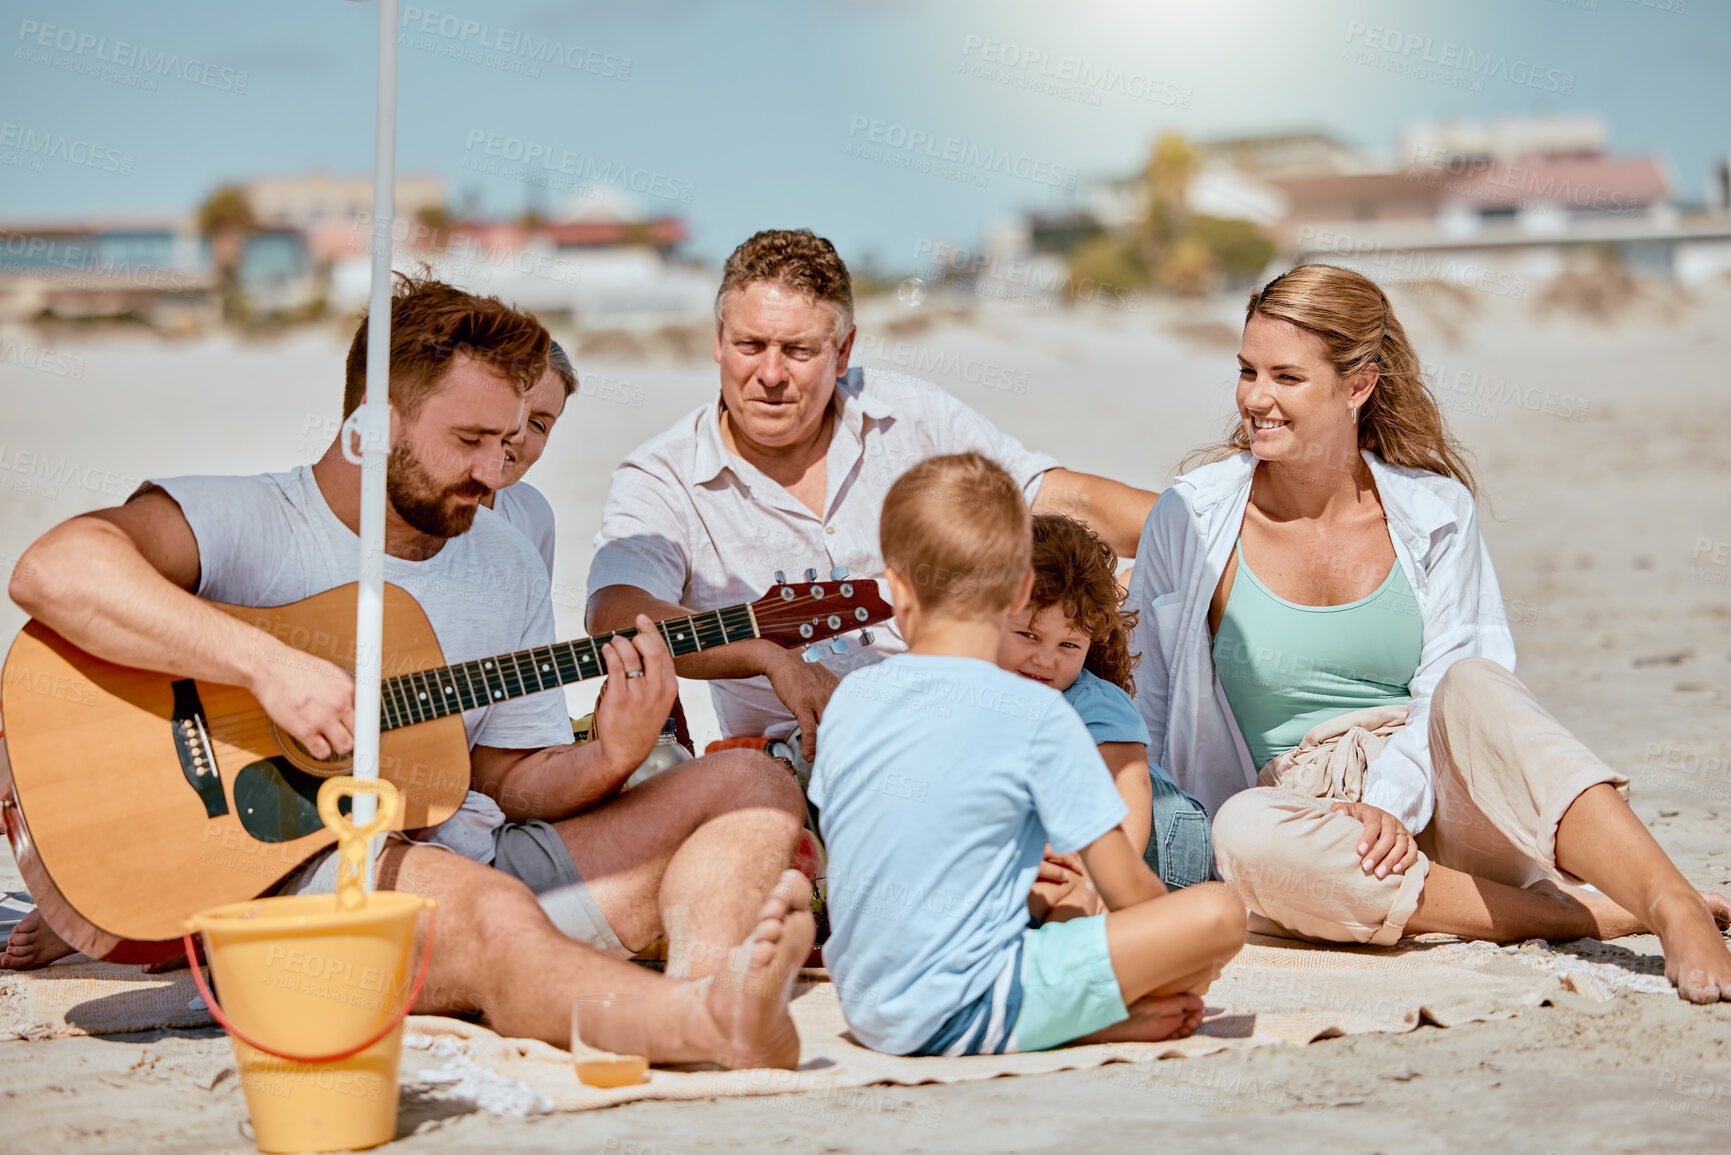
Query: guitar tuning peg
{"x": 838, "y": 573}
{"x": 839, "y": 646}
{"x": 780, "y": 578}
{"x": 811, "y": 654}
{"x": 866, "y": 637}
{"x": 810, "y": 575}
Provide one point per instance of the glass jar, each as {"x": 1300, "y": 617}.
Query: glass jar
{"x": 666, "y": 752}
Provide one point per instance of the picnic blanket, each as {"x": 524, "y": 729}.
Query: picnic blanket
{"x": 1275, "y": 991}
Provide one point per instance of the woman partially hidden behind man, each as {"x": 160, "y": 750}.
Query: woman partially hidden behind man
{"x": 1326, "y": 665}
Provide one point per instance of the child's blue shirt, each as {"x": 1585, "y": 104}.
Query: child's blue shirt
{"x": 1109, "y": 713}
{"x": 939, "y": 781}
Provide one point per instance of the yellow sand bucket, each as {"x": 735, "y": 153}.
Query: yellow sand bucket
{"x": 314, "y": 992}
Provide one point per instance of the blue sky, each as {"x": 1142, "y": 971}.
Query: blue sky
{"x": 882, "y": 123}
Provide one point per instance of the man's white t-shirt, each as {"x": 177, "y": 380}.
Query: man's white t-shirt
{"x": 529, "y": 513}
{"x": 271, "y": 539}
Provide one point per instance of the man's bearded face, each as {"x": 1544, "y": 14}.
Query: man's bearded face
{"x": 440, "y": 506}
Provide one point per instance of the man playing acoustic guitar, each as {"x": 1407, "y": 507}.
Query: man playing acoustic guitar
{"x": 698, "y": 853}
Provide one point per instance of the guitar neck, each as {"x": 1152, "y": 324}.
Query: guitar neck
{"x": 428, "y": 694}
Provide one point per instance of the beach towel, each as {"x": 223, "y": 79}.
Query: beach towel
{"x": 1276, "y": 991}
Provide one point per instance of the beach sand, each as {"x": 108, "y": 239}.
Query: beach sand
{"x": 1607, "y": 478}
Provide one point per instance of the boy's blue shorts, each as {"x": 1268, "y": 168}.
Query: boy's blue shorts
{"x": 1056, "y": 985}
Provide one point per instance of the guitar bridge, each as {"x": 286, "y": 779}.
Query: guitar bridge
{"x": 192, "y": 744}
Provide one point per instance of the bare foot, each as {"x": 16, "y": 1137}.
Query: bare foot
{"x": 1608, "y": 919}
{"x": 1153, "y": 1019}
{"x": 747, "y": 1001}
{"x": 1696, "y": 959}
{"x": 33, "y": 944}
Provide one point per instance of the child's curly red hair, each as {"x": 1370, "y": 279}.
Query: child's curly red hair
{"x": 1078, "y": 573}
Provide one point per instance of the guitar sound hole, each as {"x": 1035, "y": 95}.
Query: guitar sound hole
{"x": 302, "y": 758}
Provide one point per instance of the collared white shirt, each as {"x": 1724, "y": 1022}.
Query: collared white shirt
{"x": 1186, "y": 544}
{"x": 688, "y": 521}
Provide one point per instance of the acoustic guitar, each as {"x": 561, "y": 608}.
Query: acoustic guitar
{"x": 137, "y": 798}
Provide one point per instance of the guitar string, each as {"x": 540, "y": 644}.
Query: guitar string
{"x": 425, "y": 694}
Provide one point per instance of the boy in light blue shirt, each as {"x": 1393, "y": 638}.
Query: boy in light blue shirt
{"x": 940, "y": 779}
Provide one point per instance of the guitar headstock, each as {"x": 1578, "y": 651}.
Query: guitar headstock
{"x": 804, "y": 613}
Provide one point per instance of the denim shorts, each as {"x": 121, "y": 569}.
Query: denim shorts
{"x": 1181, "y": 839}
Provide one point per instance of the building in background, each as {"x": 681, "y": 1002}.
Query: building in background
{"x": 283, "y": 249}
{"x": 1528, "y": 198}
{"x": 1524, "y": 198}
{"x": 157, "y": 272}
{"x": 599, "y": 263}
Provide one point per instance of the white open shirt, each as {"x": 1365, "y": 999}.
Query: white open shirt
{"x": 687, "y": 521}
{"x": 1186, "y": 543}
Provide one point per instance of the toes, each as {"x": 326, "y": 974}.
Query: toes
{"x": 790, "y": 894}
{"x": 794, "y": 889}
{"x": 769, "y": 929}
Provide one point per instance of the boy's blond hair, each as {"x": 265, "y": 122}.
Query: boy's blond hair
{"x": 957, "y": 528}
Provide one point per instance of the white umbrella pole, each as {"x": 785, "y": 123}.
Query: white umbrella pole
{"x": 374, "y": 427}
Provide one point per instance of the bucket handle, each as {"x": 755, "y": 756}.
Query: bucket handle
{"x": 222, "y": 1020}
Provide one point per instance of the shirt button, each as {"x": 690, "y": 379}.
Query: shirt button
{"x": 829, "y": 529}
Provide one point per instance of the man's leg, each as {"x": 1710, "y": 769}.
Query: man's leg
{"x": 691, "y": 854}
{"x": 496, "y": 952}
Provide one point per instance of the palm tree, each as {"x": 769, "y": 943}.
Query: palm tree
{"x": 1165, "y": 181}
{"x": 225, "y": 219}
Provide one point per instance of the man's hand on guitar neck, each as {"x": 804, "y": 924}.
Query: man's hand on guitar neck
{"x": 803, "y": 687}
{"x": 561, "y": 781}
{"x": 641, "y": 686}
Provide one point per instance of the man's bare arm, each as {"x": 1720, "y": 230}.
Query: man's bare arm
{"x": 115, "y": 583}
{"x": 548, "y": 784}
{"x": 1110, "y": 508}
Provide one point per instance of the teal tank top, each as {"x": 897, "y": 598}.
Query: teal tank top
{"x": 1286, "y": 667}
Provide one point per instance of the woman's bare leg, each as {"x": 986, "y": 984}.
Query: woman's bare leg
{"x": 1498, "y": 752}
{"x": 1601, "y": 840}
{"x": 1454, "y": 902}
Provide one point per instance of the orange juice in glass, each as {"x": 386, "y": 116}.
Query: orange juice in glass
{"x": 609, "y": 1040}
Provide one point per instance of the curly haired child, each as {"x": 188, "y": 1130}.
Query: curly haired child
{"x": 1073, "y": 636}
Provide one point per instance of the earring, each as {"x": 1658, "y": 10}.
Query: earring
{"x": 1355, "y": 414}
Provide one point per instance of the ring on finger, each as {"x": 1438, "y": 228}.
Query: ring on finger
{"x": 633, "y": 673}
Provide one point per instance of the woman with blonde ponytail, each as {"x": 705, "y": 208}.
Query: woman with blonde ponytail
{"x": 1327, "y": 667}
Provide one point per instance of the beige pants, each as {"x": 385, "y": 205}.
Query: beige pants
{"x": 1505, "y": 771}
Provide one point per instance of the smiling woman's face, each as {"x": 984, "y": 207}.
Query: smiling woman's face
{"x": 542, "y": 407}
{"x": 1294, "y": 406}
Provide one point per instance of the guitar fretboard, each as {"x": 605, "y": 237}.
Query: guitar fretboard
{"x": 428, "y": 694}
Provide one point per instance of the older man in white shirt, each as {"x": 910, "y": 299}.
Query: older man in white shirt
{"x": 788, "y": 471}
